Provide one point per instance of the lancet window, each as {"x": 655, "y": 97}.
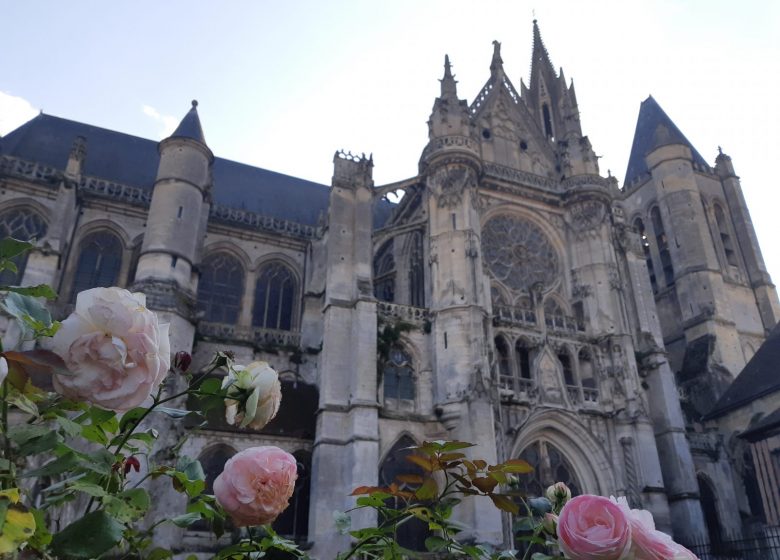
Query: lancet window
{"x": 550, "y": 466}
{"x": 725, "y": 236}
{"x": 276, "y": 290}
{"x": 639, "y": 226}
{"x": 416, "y": 271}
{"x": 221, "y": 288}
{"x": 662, "y": 242}
{"x": 505, "y": 377}
{"x": 398, "y": 376}
{"x": 23, "y": 224}
{"x": 384, "y": 273}
{"x": 99, "y": 261}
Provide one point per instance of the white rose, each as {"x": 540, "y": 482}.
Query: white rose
{"x": 3, "y": 369}
{"x": 115, "y": 349}
{"x": 254, "y": 394}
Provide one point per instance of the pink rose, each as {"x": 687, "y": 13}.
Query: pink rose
{"x": 593, "y": 528}
{"x": 256, "y": 485}
{"x": 115, "y": 349}
{"x": 646, "y": 542}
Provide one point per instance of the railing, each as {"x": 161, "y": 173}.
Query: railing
{"x": 514, "y": 316}
{"x": 765, "y": 546}
{"x": 229, "y": 215}
{"x": 407, "y": 313}
{"x": 590, "y": 396}
{"x": 27, "y": 169}
{"x": 564, "y": 323}
{"x": 575, "y": 395}
{"x": 515, "y": 387}
{"x": 256, "y": 335}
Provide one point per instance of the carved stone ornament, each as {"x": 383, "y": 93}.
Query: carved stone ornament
{"x": 448, "y": 184}
{"x": 586, "y": 215}
{"x": 518, "y": 253}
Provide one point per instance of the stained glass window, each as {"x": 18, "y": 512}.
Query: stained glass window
{"x": 550, "y": 466}
{"x": 23, "y": 224}
{"x": 384, "y": 273}
{"x": 99, "y": 261}
{"x": 221, "y": 288}
{"x": 275, "y": 294}
{"x": 399, "y": 376}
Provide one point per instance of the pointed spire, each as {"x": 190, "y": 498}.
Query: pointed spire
{"x": 540, "y": 58}
{"x": 189, "y": 127}
{"x": 496, "y": 64}
{"x": 448, "y": 84}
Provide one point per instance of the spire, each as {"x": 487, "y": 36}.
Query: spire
{"x": 448, "y": 84}
{"x": 496, "y": 64}
{"x": 540, "y": 59}
{"x": 654, "y": 128}
{"x": 189, "y": 127}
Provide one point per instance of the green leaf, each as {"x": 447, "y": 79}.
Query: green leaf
{"x": 42, "y": 536}
{"x": 18, "y": 527}
{"x": 23, "y": 403}
{"x": 541, "y": 556}
{"x": 159, "y": 554}
{"x": 41, "y": 444}
{"x": 69, "y": 426}
{"x": 41, "y": 290}
{"x": 130, "y": 418}
{"x": 89, "y": 488}
{"x": 524, "y": 524}
{"x": 28, "y": 311}
{"x": 191, "y": 468}
{"x": 100, "y": 416}
{"x": 10, "y": 247}
{"x": 186, "y": 519}
{"x": 59, "y": 465}
{"x": 173, "y": 412}
{"x": 504, "y": 503}
{"x": 428, "y": 490}
{"x": 211, "y": 386}
{"x": 89, "y": 537}
{"x": 433, "y": 544}
{"x": 23, "y": 433}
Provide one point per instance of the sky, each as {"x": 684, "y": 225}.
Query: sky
{"x": 283, "y": 84}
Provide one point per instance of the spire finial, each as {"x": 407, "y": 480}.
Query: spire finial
{"x": 497, "y": 64}
{"x": 194, "y": 103}
{"x": 720, "y": 151}
{"x": 448, "y": 87}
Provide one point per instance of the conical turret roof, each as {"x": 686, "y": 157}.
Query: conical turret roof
{"x": 189, "y": 127}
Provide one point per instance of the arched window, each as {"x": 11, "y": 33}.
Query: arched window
{"x": 293, "y": 522}
{"x": 134, "y": 258}
{"x": 662, "y": 243}
{"x": 384, "y": 273}
{"x": 725, "y": 236}
{"x": 505, "y": 377}
{"x": 523, "y": 358}
{"x": 221, "y": 288}
{"x": 709, "y": 504}
{"x": 275, "y": 293}
{"x": 416, "y": 271}
{"x": 100, "y": 258}
{"x": 639, "y": 226}
{"x": 411, "y": 534}
{"x": 398, "y": 376}
{"x": 23, "y": 224}
{"x": 587, "y": 377}
{"x": 550, "y": 466}
{"x": 568, "y": 372}
{"x": 548, "y": 128}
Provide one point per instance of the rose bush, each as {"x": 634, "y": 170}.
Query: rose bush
{"x": 254, "y": 395}
{"x": 115, "y": 349}
{"x": 593, "y": 528}
{"x": 256, "y": 485}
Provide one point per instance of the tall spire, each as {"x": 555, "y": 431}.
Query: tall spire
{"x": 189, "y": 127}
{"x": 449, "y": 88}
{"x": 496, "y": 64}
{"x": 540, "y": 61}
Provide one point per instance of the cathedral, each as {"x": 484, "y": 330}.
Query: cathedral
{"x": 617, "y": 337}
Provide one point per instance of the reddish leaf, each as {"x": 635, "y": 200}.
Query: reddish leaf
{"x": 365, "y": 490}
{"x": 420, "y": 461}
{"x": 480, "y": 464}
{"x": 517, "y": 466}
{"x": 485, "y": 484}
{"x": 462, "y": 479}
{"x": 37, "y": 365}
{"x": 446, "y": 457}
{"x": 410, "y": 478}
{"x": 505, "y": 504}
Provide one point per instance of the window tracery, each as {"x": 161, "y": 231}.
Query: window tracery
{"x": 639, "y": 226}
{"x": 100, "y": 258}
{"x": 662, "y": 243}
{"x": 505, "y": 377}
{"x": 416, "y": 271}
{"x": 518, "y": 253}
{"x": 23, "y": 224}
{"x": 398, "y": 376}
{"x": 275, "y": 293}
{"x": 384, "y": 273}
{"x": 221, "y": 288}
{"x": 550, "y": 466}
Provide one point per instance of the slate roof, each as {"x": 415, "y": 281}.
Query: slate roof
{"x": 760, "y": 377}
{"x": 133, "y": 161}
{"x": 648, "y": 136}
{"x": 768, "y": 426}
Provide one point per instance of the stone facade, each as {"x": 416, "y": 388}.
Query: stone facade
{"x": 540, "y": 310}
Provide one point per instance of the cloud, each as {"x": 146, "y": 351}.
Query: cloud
{"x": 14, "y": 112}
{"x": 168, "y": 122}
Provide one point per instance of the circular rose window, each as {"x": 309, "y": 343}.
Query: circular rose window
{"x": 518, "y": 253}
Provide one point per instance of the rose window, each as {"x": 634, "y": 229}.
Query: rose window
{"x": 518, "y": 253}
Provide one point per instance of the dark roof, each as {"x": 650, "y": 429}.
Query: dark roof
{"x": 189, "y": 127}
{"x": 768, "y": 426}
{"x": 760, "y": 377}
{"x": 133, "y": 161}
{"x": 654, "y": 128}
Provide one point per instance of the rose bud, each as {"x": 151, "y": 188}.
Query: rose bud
{"x": 182, "y": 361}
{"x": 550, "y": 523}
{"x": 558, "y": 494}
{"x": 132, "y": 463}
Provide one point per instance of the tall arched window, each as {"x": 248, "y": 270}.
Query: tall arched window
{"x": 523, "y": 358}
{"x": 725, "y": 236}
{"x": 398, "y": 376}
{"x": 412, "y": 533}
{"x": 293, "y": 522}
{"x": 709, "y": 504}
{"x": 505, "y": 377}
{"x": 550, "y": 466}
{"x": 662, "y": 243}
{"x": 416, "y": 271}
{"x": 23, "y": 224}
{"x": 99, "y": 261}
{"x": 639, "y": 226}
{"x": 548, "y": 128}
{"x": 275, "y": 294}
{"x": 384, "y": 273}
{"x": 568, "y": 372}
{"x": 221, "y": 288}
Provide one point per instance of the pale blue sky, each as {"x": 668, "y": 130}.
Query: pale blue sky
{"x": 283, "y": 84}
